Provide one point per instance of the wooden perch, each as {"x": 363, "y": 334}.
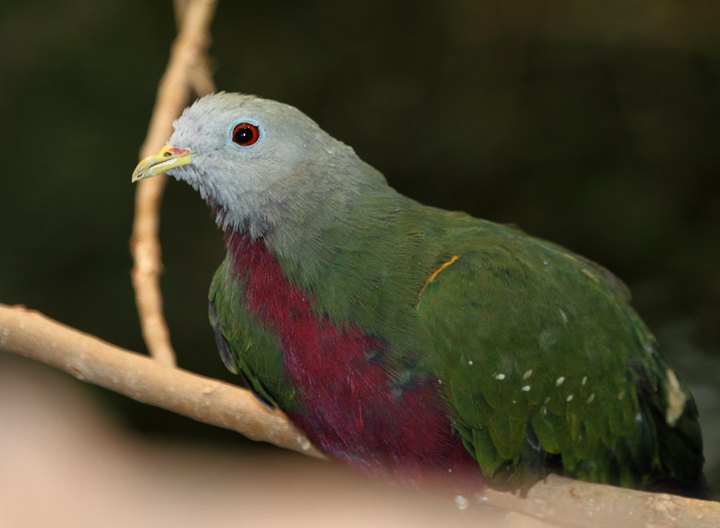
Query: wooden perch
{"x": 28, "y": 333}
{"x": 556, "y": 500}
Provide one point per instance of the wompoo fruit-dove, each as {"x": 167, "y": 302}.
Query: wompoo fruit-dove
{"x": 415, "y": 344}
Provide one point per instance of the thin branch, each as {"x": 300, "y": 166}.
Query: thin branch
{"x": 179, "y": 7}
{"x": 557, "y": 500}
{"x": 187, "y": 70}
{"x": 199, "y": 77}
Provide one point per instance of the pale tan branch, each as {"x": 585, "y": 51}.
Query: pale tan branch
{"x": 557, "y": 500}
{"x": 179, "y": 7}
{"x": 188, "y": 51}
{"x": 31, "y": 334}
{"x": 200, "y": 77}
{"x": 187, "y": 71}
{"x": 581, "y": 504}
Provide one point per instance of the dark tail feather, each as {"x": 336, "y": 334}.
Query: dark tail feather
{"x": 696, "y": 489}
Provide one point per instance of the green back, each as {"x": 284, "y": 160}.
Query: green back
{"x": 543, "y": 354}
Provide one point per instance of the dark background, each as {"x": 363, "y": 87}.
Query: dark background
{"x": 594, "y": 126}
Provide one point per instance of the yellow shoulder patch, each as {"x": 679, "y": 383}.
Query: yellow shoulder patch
{"x": 432, "y": 277}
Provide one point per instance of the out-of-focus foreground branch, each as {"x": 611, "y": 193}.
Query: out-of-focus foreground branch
{"x": 557, "y": 500}
{"x": 187, "y": 72}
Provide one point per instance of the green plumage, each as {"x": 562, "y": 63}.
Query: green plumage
{"x": 533, "y": 336}
{"x": 534, "y": 354}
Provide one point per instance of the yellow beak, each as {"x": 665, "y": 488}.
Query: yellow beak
{"x": 167, "y": 158}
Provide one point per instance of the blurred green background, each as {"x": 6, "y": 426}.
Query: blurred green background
{"x": 595, "y": 125}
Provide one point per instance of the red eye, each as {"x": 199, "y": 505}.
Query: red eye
{"x": 245, "y": 134}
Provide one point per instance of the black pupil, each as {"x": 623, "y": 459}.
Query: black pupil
{"x": 244, "y": 135}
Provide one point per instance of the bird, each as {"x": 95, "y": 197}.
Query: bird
{"x": 416, "y": 345}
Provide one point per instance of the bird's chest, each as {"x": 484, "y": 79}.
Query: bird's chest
{"x": 348, "y": 401}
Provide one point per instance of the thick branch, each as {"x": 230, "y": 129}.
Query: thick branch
{"x": 581, "y": 504}
{"x": 186, "y": 70}
{"x": 31, "y": 334}
{"x": 557, "y": 500}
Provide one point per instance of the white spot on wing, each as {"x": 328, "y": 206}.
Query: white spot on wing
{"x": 584, "y": 380}
{"x": 676, "y": 399}
{"x": 527, "y": 374}
{"x": 525, "y": 388}
{"x": 560, "y": 381}
{"x": 569, "y": 398}
{"x": 591, "y": 398}
{"x": 564, "y": 317}
{"x": 499, "y": 376}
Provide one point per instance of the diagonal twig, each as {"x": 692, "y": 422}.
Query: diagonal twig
{"x": 187, "y": 71}
{"x": 200, "y": 76}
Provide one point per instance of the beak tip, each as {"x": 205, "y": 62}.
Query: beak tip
{"x": 167, "y": 158}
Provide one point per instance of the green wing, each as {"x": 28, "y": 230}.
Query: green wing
{"x": 245, "y": 347}
{"x": 550, "y": 369}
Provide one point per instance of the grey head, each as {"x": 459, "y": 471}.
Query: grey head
{"x": 258, "y": 162}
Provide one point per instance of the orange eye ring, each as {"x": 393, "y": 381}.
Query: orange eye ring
{"x": 245, "y": 134}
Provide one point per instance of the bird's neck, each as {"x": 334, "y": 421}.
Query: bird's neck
{"x": 293, "y": 214}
